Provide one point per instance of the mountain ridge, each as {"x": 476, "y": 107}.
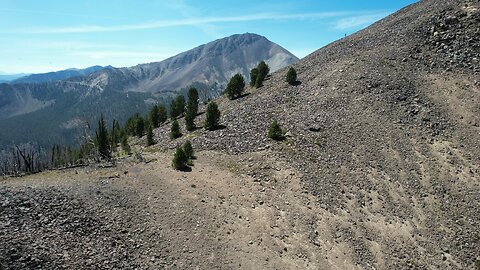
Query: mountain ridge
{"x": 57, "y": 75}
{"x": 208, "y": 67}
{"x": 157, "y": 77}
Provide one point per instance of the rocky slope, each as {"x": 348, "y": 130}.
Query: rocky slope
{"x": 380, "y": 168}
{"x": 384, "y": 131}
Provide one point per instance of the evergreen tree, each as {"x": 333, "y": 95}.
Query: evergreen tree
{"x": 178, "y": 107}
{"x": 275, "y": 131}
{"x": 263, "y": 70}
{"x": 102, "y": 139}
{"x": 114, "y": 135}
{"x": 258, "y": 82}
{"x": 131, "y": 124}
{"x": 140, "y": 128}
{"x": 173, "y": 109}
{"x": 125, "y": 145}
{"x": 189, "y": 119}
{"x": 162, "y": 114}
{"x": 180, "y": 160}
{"x": 193, "y": 100}
{"x": 154, "y": 116}
{"x": 188, "y": 149}
{"x": 292, "y": 76}
{"x": 253, "y": 76}
{"x": 212, "y": 116}
{"x": 150, "y": 140}
{"x": 175, "y": 130}
{"x": 181, "y": 105}
{"x": 118, "y": 132}
{"x": 192, "y": 109}
{"x": 235, "y": 86}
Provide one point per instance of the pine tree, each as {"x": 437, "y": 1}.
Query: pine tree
{"x": 102, "y": 139}
{"x": 140, "y": 128}
{"x": 173, "y": 109}
{"x": 189, "y": 119}
{"x": 275, "y": 132}
{"x": 191, "y": 109}
{"x": 180, "y": 160}
{"x": 253, "y": 76}
{"x": 193, "y": 100}
{"x": 181, "y": 105}
{"x": 178, "y": 107}
{"x": 162, "y": 114}
{"x": 175, "y": 130}
{"x": 292, "y": 76}
{"x": 263, "y": 70}
{"x": 212, "y": 116}
{"x": 150, "y": 140}
{"x": 188, "y": 149}
{"x": 154, "y": 116}
{"x": 235, "y": 86}
{"x": 131, "y": 125}
{"x": 118, "y": 132}
{"x": 125, "y": 145}
{"x": 258, "y": 82}
{"x": 114, "y": 135}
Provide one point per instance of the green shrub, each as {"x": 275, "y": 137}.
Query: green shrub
{"x": 292, "y": 76}
{"x": 180, "y": 160}
{"x": 275, "y": 132}
{"x": 188, "y": 149}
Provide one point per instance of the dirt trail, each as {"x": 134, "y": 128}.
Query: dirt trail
{"x": 213, "y": 217}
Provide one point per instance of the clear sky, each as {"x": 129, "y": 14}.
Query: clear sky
{"x": 48, "y": 35}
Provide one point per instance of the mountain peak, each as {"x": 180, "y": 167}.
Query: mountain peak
{"x": 208, "y": 67}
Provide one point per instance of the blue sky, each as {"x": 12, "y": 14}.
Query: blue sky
{"x": 41, "y": 36}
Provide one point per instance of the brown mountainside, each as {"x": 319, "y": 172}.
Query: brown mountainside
{"x": 379, "y": 169}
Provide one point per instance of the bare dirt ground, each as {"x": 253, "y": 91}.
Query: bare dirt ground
{"x": 213, "y": 217}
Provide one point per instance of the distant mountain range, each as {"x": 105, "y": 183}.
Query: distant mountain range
{"x": 57, "y": 75}
{"x": 10, "y": 77}
{"x": 47, "y": 109}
